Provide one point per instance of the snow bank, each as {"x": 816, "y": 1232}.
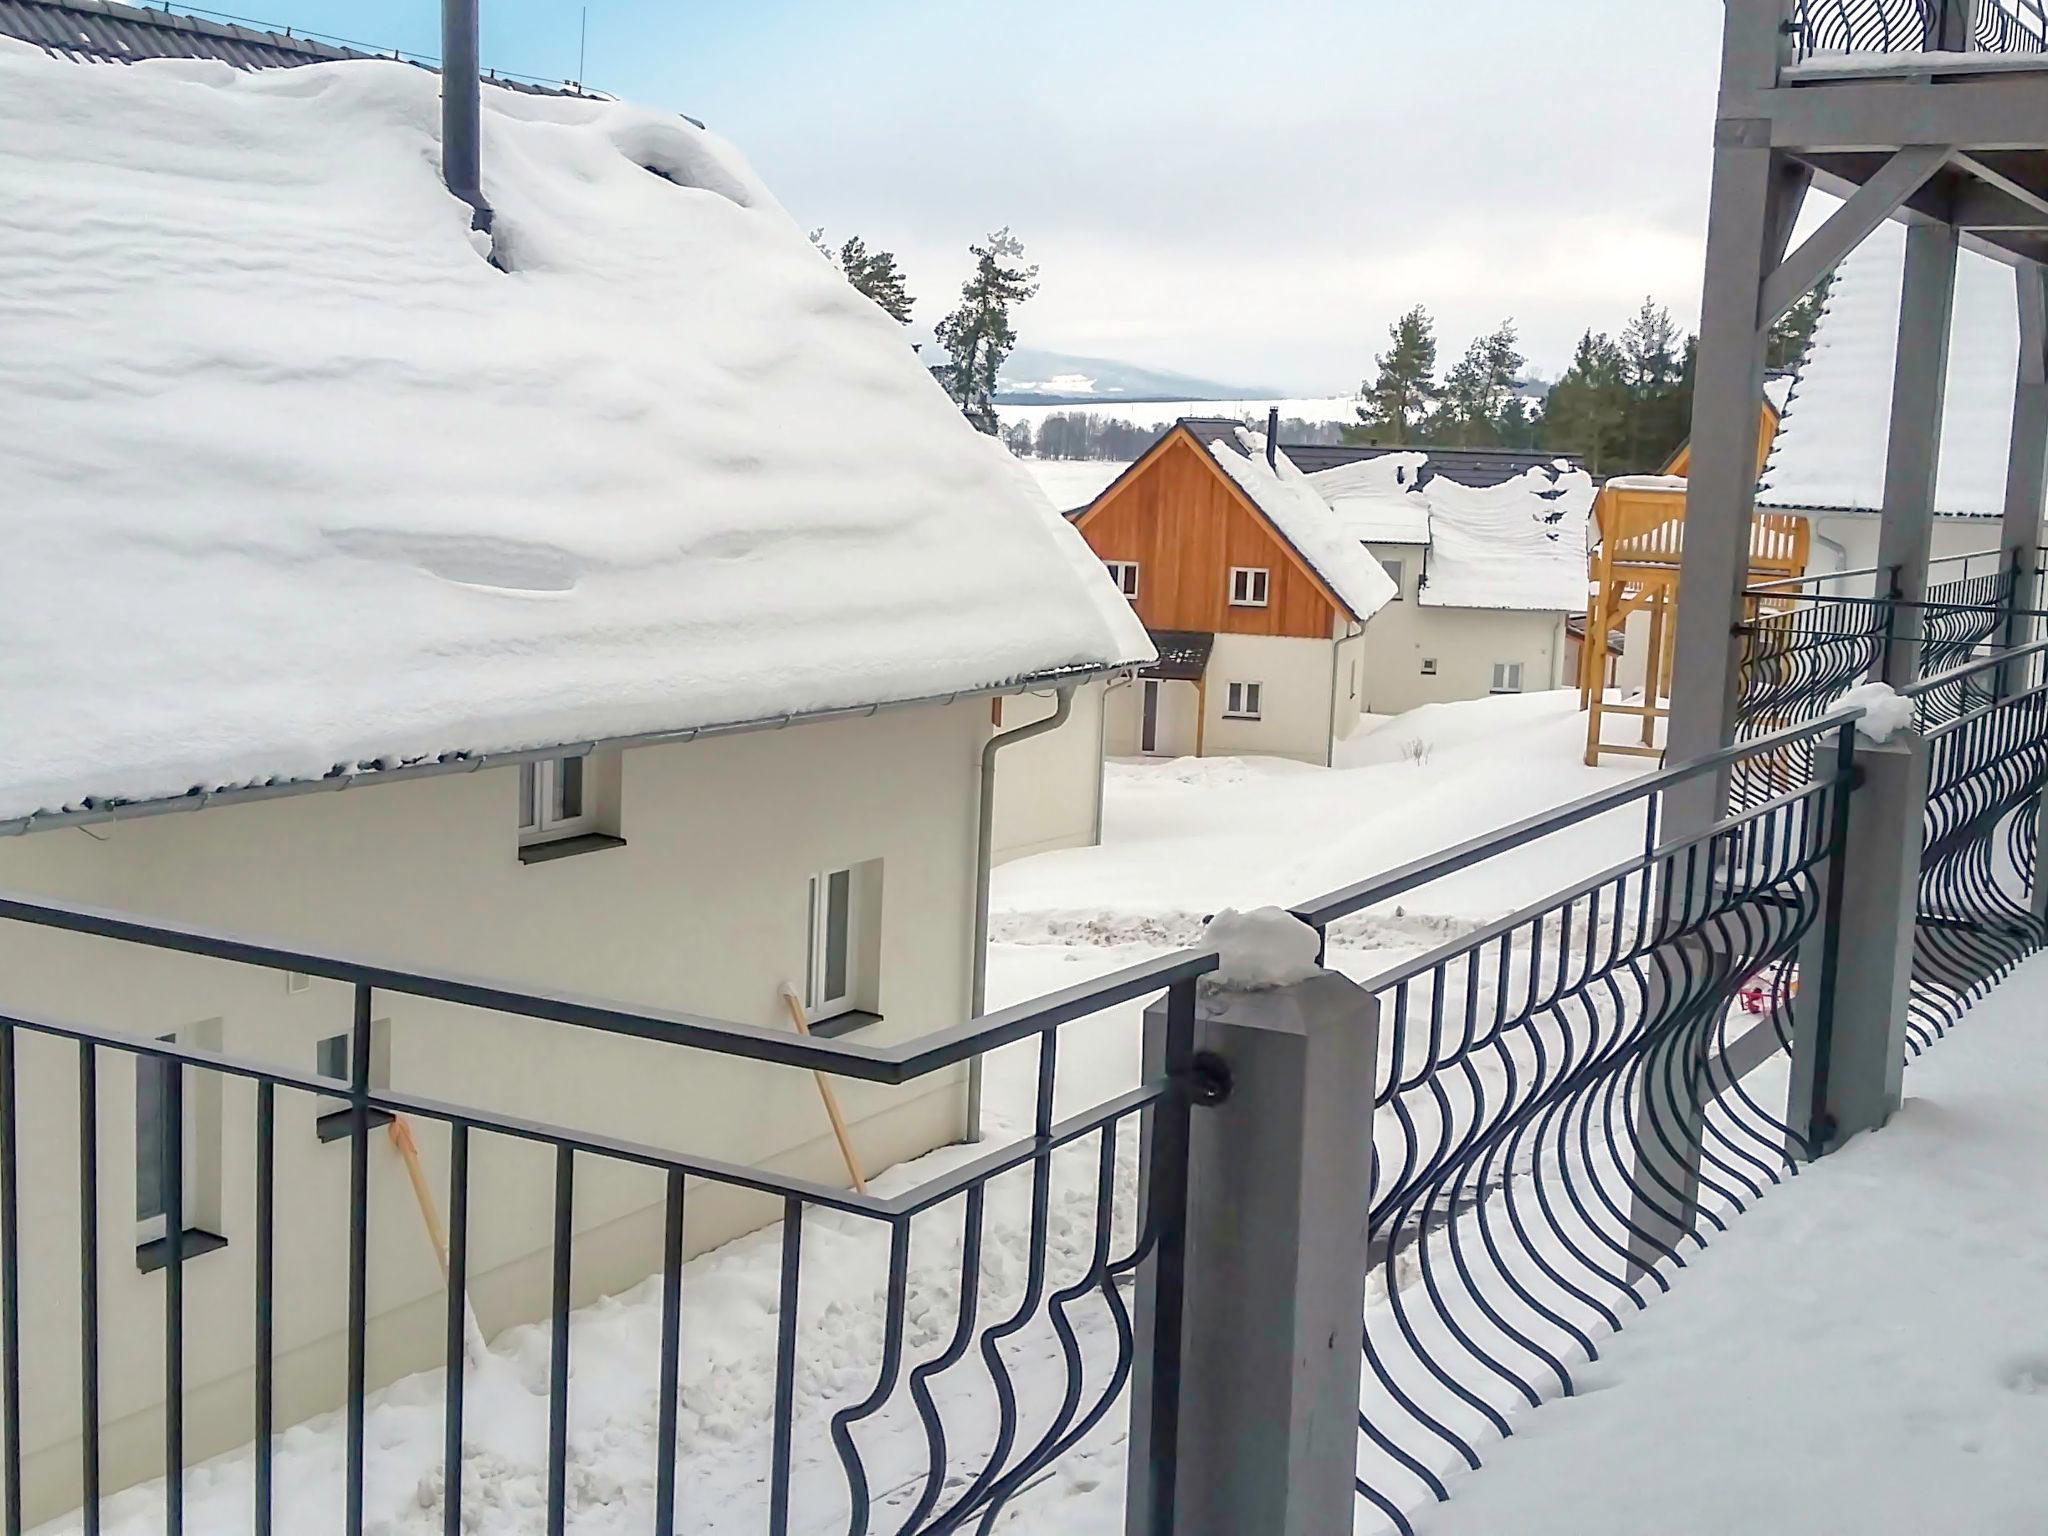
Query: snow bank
{"x": 1520, "y": 545}
{"x": 1830, "y": 452}
{"x": 1261, "y": 949}
{"x": 1284, "y": 494}
{"x": 295, "y": 478}
{"x": 1885, "y": 713}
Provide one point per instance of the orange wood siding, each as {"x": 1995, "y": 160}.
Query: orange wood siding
{"x": 1186, "y": 525}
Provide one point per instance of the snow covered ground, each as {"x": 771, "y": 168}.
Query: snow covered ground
{"x": 1182, "y": 840}
{"x": 1865, "y": 1351}
{"x": 1070, "y": 484}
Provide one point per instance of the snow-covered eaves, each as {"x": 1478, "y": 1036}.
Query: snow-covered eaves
{"x": 1285, "y": 498}
{"x": 1830, "y": 451}
{"x": 1519, "y": 546}
{"x": 301, "y": 486}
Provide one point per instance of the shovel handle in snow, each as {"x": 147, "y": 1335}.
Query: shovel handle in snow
{"x": 803, "y": 1027}
{"x": 409, "y": 1153}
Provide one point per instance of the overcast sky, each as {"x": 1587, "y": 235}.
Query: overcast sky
{"x": 1246, "y": 191}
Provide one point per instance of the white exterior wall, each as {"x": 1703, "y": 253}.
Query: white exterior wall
{"x": 1295, "y": 700}
{"x": 1049, "y": 789}
{"x": 703, "y": 910}
{"x": 1847, "y": 541}
{"x": 1464, "y": 642}
{"x": 1348, "y": 701}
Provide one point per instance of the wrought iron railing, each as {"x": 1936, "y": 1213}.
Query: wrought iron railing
{"x": 957, "y": 1483}
{"x": 1563, "y": 1105}
{"x": 1825, "y": 27}
{"x": 1986, "y": 722}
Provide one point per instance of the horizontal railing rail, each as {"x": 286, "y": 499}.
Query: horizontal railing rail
{"x": 1828, "y": 27}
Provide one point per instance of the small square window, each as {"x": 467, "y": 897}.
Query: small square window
{"x": 1125, "y": 574}
{"x": 1429, "y": 666}
{"x": 554, "y": 800}
{"x": 1249, "y": 586}
{"x": 331, "y": 1057}
{"x": 1507, "y": 677}
{"x": 1397, "y": 571}
{"x": 1241, "y": 701}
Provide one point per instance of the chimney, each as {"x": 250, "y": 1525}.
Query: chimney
{"x": 1273, "y": 438}
{"x": 462, "y": 108}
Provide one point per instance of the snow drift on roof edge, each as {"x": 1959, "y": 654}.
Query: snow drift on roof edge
{"x": 1283, "y": 493}
{"x": 298, "y": 480}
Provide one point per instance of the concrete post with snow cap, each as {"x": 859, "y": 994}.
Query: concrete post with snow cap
{"x": 1856, "y": 965}
{"x": 1279, "y": 1189}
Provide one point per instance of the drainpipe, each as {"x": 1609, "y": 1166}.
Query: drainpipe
{"x": 462, "y": 109}
{"x": 984, "y": 852}
{"x": 1273, "y": 438}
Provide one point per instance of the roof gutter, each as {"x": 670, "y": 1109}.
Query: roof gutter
{"x": 466, "y": 762}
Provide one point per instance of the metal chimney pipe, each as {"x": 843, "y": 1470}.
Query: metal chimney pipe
{"x": 462, "y": 107}
{"x": 1273, "y": 438}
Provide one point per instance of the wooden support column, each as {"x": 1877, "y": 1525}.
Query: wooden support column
{"x": 2027, "y": 469}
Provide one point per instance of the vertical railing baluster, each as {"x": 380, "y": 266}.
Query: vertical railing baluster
{"x": 358, "y": 1251}
{"x": 10, "y": 1285}
{"x": 1167, "y": 1170}
{"x": 785, "y": 1365}
{"x": 171, "y": 1149}
{"x": 671, "y": 1350}
{"x": 458, "y": 1327}
{"x": 266, "y": 1274}
{"x": 558, "y": 1354}
{"x": 89, "y": 1285}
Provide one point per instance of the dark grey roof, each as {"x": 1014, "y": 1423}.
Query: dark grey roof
{"x": 1475, "y": 467}
{"x": 1183, "y": 654}
{"x": 101, "y": 31}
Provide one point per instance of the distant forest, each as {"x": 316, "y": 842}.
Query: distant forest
{"x": 1081, "y": 434}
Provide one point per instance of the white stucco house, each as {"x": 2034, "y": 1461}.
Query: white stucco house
{"x": 1828, "y": 461}
{"x": 467, "y": 604}
{"x": 1488, "y": 574}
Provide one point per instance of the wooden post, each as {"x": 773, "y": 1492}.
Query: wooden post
{"x": 803, "y": 1027}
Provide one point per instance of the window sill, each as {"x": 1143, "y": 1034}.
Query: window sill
{"x": 334, "y": 1125}
{"x": 1236, "y": 604}
{"x": 153, "y": 1256}
{"x": 844, "y": 1023}
{"x": 1248, "y": 719}
{"x": 568, "y": 847}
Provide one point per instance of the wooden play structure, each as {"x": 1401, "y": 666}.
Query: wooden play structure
{"x": 1639, "y": 522}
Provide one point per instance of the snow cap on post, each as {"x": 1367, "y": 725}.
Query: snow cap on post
{"x": 1261, "y": 950}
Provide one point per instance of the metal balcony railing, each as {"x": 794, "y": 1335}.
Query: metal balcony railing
{"x": 1821, "y": 28}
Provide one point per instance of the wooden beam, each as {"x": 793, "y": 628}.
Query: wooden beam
{"x": 1875, "y": 201}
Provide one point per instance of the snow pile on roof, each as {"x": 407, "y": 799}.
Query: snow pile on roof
{"x": 1283, "y": 493}
{"x": 1830, "y": 452}
{"x": 1520, "y": 545}
{"x": 296, "y": 478}
{"x": 1379, "y": 501}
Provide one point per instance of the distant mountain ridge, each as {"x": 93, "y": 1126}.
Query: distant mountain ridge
{"x": 1034, "y": 377}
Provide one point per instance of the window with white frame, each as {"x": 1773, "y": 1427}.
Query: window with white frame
{"x": 1241, "y": 701}
{"x": 1397, "y": 571}
{"x": 1429, "y": 666}
{"x": 154, "y": 1152}
{"x": 332, "y": 1058}
{"x": 1248, "y": 586}
{"x": 1125, "y": 574}
{"x": 1507, "y": 677}
{"x": 845, "y": 911}
{"x": 555, "y": 799}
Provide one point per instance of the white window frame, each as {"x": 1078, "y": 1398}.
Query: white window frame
{"x": 541, "y": 819}
{"x": 1251, "y": 586}
{"x": 1512, "y": 671}
{"x": 1398, "y": 570}
{"x": 1244, "y": 701}
{"x": 1429, "y": 666}
{"x": 1125, "y": 574}
{"x": 817, "y": 961}
{"x": 154, "y": 1229}
{"x": 328, "y": 1104}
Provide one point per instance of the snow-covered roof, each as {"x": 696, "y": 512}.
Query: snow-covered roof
{"x": 1519, "y": 546}
{"x": 297, "y": 479}
{"x": 1830, "y": 452}
{"x": 1304, "y": 519}
{"x": 1378, "y": 501}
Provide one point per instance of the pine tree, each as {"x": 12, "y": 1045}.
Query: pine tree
{"x": 1652, "y": 372}
{"x": 1477, "y": 390}
{"x": 1587, "y": 412}
{"x": 978, "y": 336}
{"x": 1793, "y": 333}
{"x": 1399, "y": 399}
{"x": 875, "y": 274}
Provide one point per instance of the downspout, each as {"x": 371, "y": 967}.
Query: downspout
{"x": 462, "y": 109}
{"x": 984, "y": 853}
